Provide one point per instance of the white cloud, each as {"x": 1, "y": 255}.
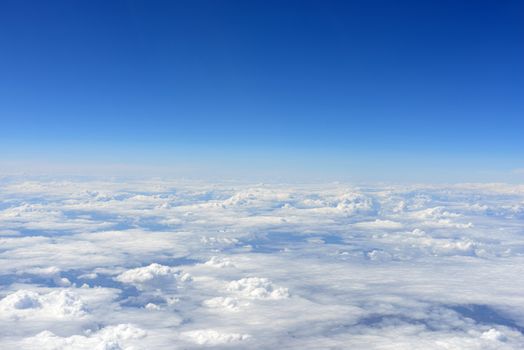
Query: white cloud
{"x": 109, "y": 338}
{"x": 219, "y": 262}
{"x": 493, "y": 334}
{"x": 161, "y": 264}
{"x": 213, "y": 337}
{"x": 228, "y": 303}
{"x": 379, "y": 224}
{"x": 154, "y": 275}
{"x": 55, "y": 304}
{"x": 258, "y": 288}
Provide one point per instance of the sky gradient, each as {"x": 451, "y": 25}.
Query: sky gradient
{"x": 375, "y": 90}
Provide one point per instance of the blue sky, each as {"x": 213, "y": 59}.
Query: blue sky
{"x": 416, "y": 90}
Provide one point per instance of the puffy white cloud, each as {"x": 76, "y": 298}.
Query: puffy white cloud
{"x": 108, "y": 338}
{"x": 22, "y": 299}
{"x": 379, "y": 224}
{"x": 215, "y": 261}
{"x": 258, "y": 288}
{"x": 493, "y": 334}
{"x": 213, "y": 337}
{"x": 338, "y": 266}
{"x": 154, "y": 275}
{"x": 228, "y": 303}
{"x": 55, "y": 304}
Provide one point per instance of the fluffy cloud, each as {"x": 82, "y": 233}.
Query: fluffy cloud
{"x": 213, "y": 337}
{"x": 219, "y": 262}
{"x": 228, "y": 303}
{"x": 258, "y": 288}
{"x": 161, "y": 264}
{"x": 55, "y": 304}
{"x": 109, "y": 338}
{"x": 154, "y": 275}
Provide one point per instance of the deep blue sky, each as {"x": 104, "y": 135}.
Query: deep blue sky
{"x": 342, "y": 85}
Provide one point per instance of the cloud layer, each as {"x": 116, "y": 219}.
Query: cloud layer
{"x": 159, "y": 264}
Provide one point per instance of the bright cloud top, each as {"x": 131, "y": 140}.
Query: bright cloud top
{"x": 161, "y": 264}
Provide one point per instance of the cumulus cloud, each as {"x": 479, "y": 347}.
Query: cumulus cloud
{"x": 258, "y": 288}
{"x": 109, "y": 338}
{"x": 154, "y": 275}
{"x": 219, "y": 262}
{"x": 228, "y": 303}
{"x": 379, "y": 224}
{"x": 213, "y": 337}
{"x": 163, "y": 264}
{"x": 55, "y": 304}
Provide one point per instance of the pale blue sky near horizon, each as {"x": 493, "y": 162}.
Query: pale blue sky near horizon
{"x": 379, "y": 90}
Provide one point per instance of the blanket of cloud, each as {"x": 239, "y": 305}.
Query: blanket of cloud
{"x": 161, "y": 264}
